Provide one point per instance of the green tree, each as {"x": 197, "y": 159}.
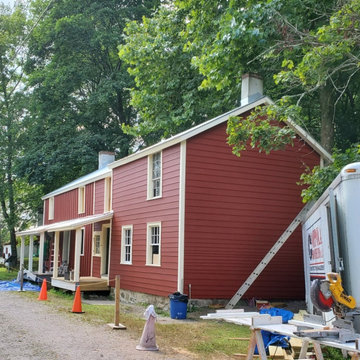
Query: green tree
{"x": 13, "y": 32}
{"x": 274, "y": 33}
{"x": 167, "y": 95}
{"x": 80, "y": 97}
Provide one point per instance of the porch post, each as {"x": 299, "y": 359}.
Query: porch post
{"x": 77, "y": 255}
{"x": 22, "y": 251}
{"x": 56, "y": 255}
{"x": 31, "y": 251}
{"x": 41, "y": 253}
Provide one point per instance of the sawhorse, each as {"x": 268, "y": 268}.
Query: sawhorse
{"x": 256, "y": 339}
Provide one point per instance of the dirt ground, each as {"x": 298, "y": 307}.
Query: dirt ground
{"x": 33, "y": 331}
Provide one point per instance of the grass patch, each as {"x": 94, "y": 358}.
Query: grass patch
{"x": 202, "y": 338}
{"x": 6, "y": 275}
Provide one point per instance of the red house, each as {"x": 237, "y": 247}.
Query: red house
{"x": 186, "y": 214}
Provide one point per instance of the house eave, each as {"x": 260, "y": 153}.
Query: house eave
{"x": 67, "y": 224}
{"x": 87, "y": 179}
{"x": 176, "y": 139}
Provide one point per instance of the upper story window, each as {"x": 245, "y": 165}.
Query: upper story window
{"x": 126, "y": 244}
{"x": 153, "y": 244}
{"x": 155, "y": 176}
{"x": 107, "y": 195}
{"x": 51, "y": 208}
{"x": 81, "y": 199}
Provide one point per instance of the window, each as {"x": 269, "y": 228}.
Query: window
{"x": 81, "y": 199}
{"x": 126, "y": 244}
{"x": 82, "y": 241}
{"x": 153, "y": 244}
{"x": 51, "y": 208}
{"x": 97, "y": 244}
{"x": 107, "y": 195}
{"x": 154, "y": 176}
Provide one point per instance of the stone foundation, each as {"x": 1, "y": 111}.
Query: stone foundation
{"x": 162, "y": 302}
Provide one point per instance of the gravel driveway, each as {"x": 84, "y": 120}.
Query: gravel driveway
{"x": 31, "y": 330}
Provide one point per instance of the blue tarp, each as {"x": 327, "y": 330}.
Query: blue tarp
{"x": 270, "y": 338}
{"x": 13, "y": 285}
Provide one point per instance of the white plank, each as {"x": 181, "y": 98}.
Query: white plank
{"x": 263, "y": 320}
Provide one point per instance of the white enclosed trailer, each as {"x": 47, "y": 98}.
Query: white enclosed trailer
{"x": 331, "y": 234}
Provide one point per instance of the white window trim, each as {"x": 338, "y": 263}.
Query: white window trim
{"x": 122, "y": 259}
{"x": 82, "y": 243}
{"x": 149, "y": 177}
{"x": 107, "y": 194}
{"x": 97, "y": 233}
{"x": 51, "y": 208}
{"x": 148, "y": 239}
{"x": 81, "y": 200}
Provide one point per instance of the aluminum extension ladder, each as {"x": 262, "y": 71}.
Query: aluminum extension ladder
{"x": 267, "y": 258}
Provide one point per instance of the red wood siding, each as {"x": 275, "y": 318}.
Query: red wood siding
{"x": 131, "y": 208}
{"x": 66, "y": 205}
{"x": 85, "y": 260}
{"x": 236, "y": 208}
{"x": 96, "y": 266}
{"x": 99, "y": 197}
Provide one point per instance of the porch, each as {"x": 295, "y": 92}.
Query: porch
{"x": 59, "y": 262}
{"x": 86, "y": 283}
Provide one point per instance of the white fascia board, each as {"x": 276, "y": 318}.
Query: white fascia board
{"x": 79, "y": 222}
{"x": 188, "y": 133}
{"x": 67, "y": 225}
{"x": 84, "y": 180}
{"x": 32, "y": 231}
{"x": 214, "y": 122}
{"x": 307, "y": 138}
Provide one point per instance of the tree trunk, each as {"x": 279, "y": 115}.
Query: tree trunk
{"x": 327, "y": 110}
{"x": 13, "y": 262}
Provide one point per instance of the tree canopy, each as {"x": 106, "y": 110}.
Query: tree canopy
{"x": 79, "y": 99}
{"x": 166, "y": 92}
{"x": 15, "y": 193}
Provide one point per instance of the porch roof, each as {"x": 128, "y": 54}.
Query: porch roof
{"x": 67, "y": 225}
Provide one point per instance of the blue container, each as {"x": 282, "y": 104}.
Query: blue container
{"x": 178, "y": 305}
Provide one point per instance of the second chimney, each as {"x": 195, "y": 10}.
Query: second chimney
{"x": 105, "y": 158}
{"x": 251, "y": 88}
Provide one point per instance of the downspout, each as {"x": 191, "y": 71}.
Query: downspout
{"x": 181, "y": 239}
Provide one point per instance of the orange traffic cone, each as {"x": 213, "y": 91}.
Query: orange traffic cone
{"x": 43, "y": 291}
{"x": 77, "y": 302}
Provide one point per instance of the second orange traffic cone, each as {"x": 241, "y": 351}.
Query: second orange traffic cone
{"x": 43, "y": 291}
{"x": 77, "y": 302}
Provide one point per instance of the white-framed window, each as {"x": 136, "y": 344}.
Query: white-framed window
{"x": 81, "y": 199}
{"x": 97, "y": 243}
{"x": 51, "y": 208}
{"x": 107, "y": 195}
{"x": 153, "y": 244}
{"x": 126, "y": 244}
{"x": 82, "y": 248}
{"x": 155, "y": 175}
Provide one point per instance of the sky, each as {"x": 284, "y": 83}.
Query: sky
{"x": 7, "y": 2}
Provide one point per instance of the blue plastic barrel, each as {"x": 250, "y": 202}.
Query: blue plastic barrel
{"x": 178, "y": 305}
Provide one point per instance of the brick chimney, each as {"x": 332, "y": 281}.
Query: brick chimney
{"x": 105, "y": 158}
{"x": 251, "y": 88}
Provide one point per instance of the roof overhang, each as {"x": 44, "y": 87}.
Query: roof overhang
{"x": 176, "y": 139}
{"x": 67, "y": 225}
{"x": 84, "y": 180}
